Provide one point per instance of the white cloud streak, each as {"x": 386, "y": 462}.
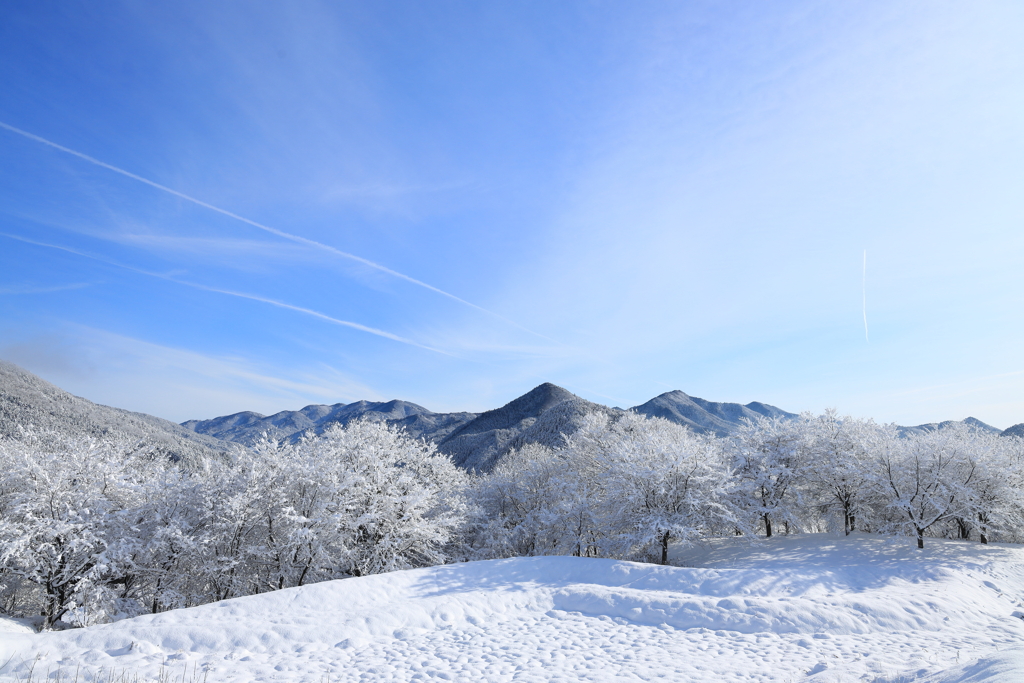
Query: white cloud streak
{"x": 208, "y": 247}
{"x": 864, "y": 295}
{"x": 273, "y": 231}
{"x": 307, "y": 311}
{"x": 241, "y": 295}
{"x": 30, "y": 289}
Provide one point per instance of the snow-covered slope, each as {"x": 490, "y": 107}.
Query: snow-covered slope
{"x": 812, "y": 608}
{"x": 542, "y": 416}
{"x": 933, "y": 426}
{"x": 289, "y": 425}
{"x": 27, "y": 401}
{"x": 1015, "y": 430}
{"x": 703, "y": 416}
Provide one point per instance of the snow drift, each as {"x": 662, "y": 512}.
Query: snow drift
{"x": 798, "y": 608}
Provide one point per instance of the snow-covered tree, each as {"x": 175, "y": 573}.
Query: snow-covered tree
{"x": 73, "y": 527}
{"x": 836, "y": 467}
{"x": 180, "y": 534}
{"x": 767, "y": 460}
{"x": 921, "y": 480}
{"x": 660, "y": 482}
{"x": 366, "y": 499}
{"x": 990, "y": 499}
{"x": 92, "y": 530}
{"x": 234, "y": 500}
{"x": 537, "y": 501}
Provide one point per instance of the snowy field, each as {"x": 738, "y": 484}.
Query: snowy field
{"x": 801, "y": 608}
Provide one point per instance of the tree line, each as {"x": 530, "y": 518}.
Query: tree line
{"x": 93, "y": 530}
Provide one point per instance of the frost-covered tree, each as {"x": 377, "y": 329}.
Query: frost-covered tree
{"x": 96, "y": 529}
{"x": 836, "y": 467}
{"x": 234, "y": 502}
{"x": 179, "y": 538}
{"x": 660, "y": 482}
{"x": 536, "y": 501}
{"x": 921, "y": 480}
{"x": 622, "y": 485}
{"x": 990, "y": 498}
{"x": 92, "y": 530}
{"x": 73, "y": 527}
{"x": 366, "y": 499}
{"x": 767, "y": 461}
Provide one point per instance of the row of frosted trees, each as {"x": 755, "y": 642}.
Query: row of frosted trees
{"x": 631, "y": 487}
{"x": 92, "y": 531}
{"x": 95, "y": 530}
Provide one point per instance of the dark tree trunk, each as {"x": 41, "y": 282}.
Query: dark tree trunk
{"x": 920, "y": 538}
{"x": 156, "y": 605}
{"x": 767, "y": 526}
{"x": 664, "y": 548}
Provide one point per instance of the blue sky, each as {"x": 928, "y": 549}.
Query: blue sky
{"x": 453, "y": 202}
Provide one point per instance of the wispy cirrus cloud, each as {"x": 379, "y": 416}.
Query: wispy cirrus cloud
{"x": 231, "y": 252}
{"x": 260, "y": 226}
{"x": 41, "y": 289}
{"x": 213, "y": 247}
{"x": 242, "y": 295}
{"x": 377, "y": 191}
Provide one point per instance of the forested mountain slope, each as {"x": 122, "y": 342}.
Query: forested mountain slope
{"x": 703, "y": 416}
{"x": 479, "y": 440}
{"x": 542, "y": 416}
{"x": 1015, "y": 430}
{"x": 28, "y": 402}
{"x": 933, "y": 426}
{"x": 289, "y": 425}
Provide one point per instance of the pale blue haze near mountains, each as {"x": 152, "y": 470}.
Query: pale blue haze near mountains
{"x": 623, "y": 199}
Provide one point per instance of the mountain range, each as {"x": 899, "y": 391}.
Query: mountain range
{"x": 478, "y": 440}
{"x": 475, "y": 441}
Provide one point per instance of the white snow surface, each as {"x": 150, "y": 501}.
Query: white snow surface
{"x": 797, "y": 608}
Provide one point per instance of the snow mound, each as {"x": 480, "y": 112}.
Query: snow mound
{"x": 1005, "y": 667}
{"x": 10, "y": 625}
{"x": 811, "y": 608}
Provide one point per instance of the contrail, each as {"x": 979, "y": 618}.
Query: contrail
{"x": 266, "y": 228}
{"x": 29, "y": 289}
{"x": 307, "y": 311}
{"x": 864, "y": 295}
{"x": 242, "y": 295}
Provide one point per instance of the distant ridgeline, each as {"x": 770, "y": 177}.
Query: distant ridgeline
{"x": 29, "y": 404}
{"x": 475, "y": 441}
{"x": 478, "y": 441}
